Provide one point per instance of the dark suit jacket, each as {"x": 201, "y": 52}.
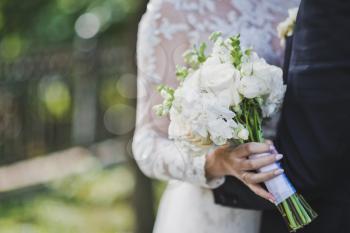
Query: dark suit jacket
{"x": 314, "y": 130}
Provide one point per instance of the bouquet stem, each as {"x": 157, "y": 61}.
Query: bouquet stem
{"x": 295, "y": 210}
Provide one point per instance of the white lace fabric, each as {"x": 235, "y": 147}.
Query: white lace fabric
{"x": 168, "y": 29}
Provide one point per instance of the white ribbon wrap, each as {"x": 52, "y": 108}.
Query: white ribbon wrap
{"x": 279, "y": 187}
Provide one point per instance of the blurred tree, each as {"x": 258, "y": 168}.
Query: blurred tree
{"x": 35, "y": 24}
{"x": 29, "y": 27}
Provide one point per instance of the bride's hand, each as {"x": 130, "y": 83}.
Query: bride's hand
{"x": 226, "y": 160}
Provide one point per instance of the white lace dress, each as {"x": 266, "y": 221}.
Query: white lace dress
{"x": 167, "y": 29}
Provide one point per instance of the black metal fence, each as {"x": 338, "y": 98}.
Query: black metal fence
{"x": 57, "y": 98}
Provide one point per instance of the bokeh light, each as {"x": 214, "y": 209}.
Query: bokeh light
{"x": 126, "y": 86}
{"x": 11, "y": 47}
{"x": 120, "y": 119}
{"x": 87, "y": 25}
{"x": 55, "y": 95}
{"x": 109, "y": 94}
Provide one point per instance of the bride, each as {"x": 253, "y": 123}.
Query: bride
{"x": 168, "y": 28}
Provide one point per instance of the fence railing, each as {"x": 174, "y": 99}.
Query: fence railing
{"x": 58, "y": 98}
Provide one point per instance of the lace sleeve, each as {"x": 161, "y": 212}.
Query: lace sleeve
{"x": 168, "y": 29}
{"x": 158, "y": 53}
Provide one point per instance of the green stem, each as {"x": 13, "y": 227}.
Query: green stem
{"x": 252, "y": 120}
{"x": 298, "y": 208}
{"x": 307, "y": 217}
{"x": 289, "y": 214}
{"x": 295, "y": 210}
{"x": 307, "y": 207}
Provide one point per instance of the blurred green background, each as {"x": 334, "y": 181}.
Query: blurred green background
{"x": 67, "y": 112}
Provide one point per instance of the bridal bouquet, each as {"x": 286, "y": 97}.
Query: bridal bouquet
{"x": 223, "y": 98}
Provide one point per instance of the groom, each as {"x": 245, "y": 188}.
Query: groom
{"x": 314, "y": 130}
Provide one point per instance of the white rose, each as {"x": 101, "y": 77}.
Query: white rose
{"x": 276, "y": 95}
{"x": 223, "y": 81}
{"x": 253, "y": 86}
{"x": 261, "y": 82}
{"x": 267, "y": 72}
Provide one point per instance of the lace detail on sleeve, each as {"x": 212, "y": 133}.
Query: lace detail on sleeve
{"x": 159, "y": 50}
{"x": 168, "y": 28}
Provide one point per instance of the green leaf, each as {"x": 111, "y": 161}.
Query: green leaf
{"x": 236, "y": 52}
{"x": 195, "y": 56}
{"x": 168, "y": 95}
{"x": 181, "y": 72}
{"x": 201, "y": 53}
{"x": 248, "y": 52}
{"x": 214, "y": 36}
{"x": 165, "y": 88}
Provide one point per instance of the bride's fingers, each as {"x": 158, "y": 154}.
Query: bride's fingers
{"x": 260, "y": 191}
{"x": 269, "y": 142}
{"x": 254, "y": 164}
{"x": 248, "y": 149}
{"x": 256, "y": 178}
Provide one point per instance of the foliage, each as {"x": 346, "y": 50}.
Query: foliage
{"x": 55, "y": 57}
{"x": 98, "y": 201}
{"x": 42, "y": 23}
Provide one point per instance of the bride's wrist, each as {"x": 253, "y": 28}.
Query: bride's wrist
{"x": 211, "y": 167}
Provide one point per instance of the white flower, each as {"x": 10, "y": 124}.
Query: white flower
{"x": 261, "y": 81}
{"x": 221, "y": 51}
{"x": 255, "y": 85}
{"x": 275, "y": 98}
{"x": 252, "y": 87}
{"x": 243, "y": 134}
{"x": 201, "y": 113}
{"x": 203, "y": 108}
{"x": 286, "y": 28}
{"x": 248, "y": 62}
{"x": 178, "y": 126}
{"x": 187, "y": 109}
{"x": 165, "y": 94}
{"x": 222, "y": 80}
{"x": 221, "y": 125}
